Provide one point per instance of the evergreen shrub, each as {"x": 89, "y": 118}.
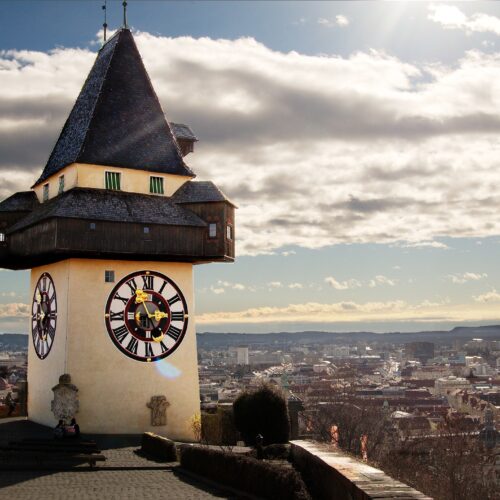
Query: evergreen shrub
{"x": 262, "y": 411}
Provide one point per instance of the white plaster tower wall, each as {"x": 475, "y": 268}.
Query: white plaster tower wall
{"x": 113, "y": 388}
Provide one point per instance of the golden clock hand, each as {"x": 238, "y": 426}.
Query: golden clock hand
{"x": 158, "y": 315}
{"x": 140, "y": 296}
{"x": 159, "y": 338}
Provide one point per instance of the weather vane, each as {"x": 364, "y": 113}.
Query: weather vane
{"x": 105, "y": 24}
{"x": 124, "y": 14}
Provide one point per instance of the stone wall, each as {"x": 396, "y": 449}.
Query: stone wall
{"x": 330, "y": 474}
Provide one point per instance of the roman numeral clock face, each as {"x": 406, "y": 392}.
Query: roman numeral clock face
{"x": 44, "y": 316}
{"x": 146, "y": 316}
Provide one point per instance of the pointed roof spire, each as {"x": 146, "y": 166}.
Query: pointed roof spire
{"x": 117, "y": 119}
{"x": 125, "y": 14}
{"x": 105, "y": 23}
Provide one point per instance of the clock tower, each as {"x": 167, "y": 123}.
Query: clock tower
{"x": 111, "y": 231}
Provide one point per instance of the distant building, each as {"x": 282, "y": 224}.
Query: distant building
{"x": 242, "y": 356}
{"x": 422, "y": 351}
{"x": 447, "y": 384}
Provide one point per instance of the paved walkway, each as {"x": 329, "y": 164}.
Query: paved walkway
{"x": 124, "y": 475}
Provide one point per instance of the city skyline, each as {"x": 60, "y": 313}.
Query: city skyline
{"x": 362, "y": 155}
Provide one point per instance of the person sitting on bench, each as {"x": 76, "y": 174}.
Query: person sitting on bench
{"x": 72, "y": 430}
{"x": 59, "y": 430}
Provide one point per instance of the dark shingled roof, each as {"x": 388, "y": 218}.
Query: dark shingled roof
{"x": 113, "y": 206}
{"x": 182, "y": 131}
{"x": 117, "y": 119}
{"x": 24, "y": 201}
{"x": 199, "y": 192}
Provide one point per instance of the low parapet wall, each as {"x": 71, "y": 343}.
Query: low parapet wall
{"x": 332, "y": 475}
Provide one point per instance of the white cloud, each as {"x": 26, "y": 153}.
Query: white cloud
{"x": 492, "y": 296}
{"x": 381, "y": 280}
{"x": 295, "y": 286}
{"x": 426, "y": 244}
{"x": 342, "y": 285}
{"x": 275, "y": 284}
{"x": 348, "y": 311}
{"x": 14, "y": 310}
{"x": 287, "y": 253}
{"x": 222, "y": 286}
{"x": 339, "y": 20}
{"x": 460, "y": 279}
{"x": 452, "y": 18}
{"x": 361, "y": 149}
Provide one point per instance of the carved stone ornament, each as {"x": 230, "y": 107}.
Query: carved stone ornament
{"x": 65, "y": 404}
{"x": 158, "y": 406}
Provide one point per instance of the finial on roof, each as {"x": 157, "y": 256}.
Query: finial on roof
{"x": 125, "y": 14}
{"x": 105, "y": 24}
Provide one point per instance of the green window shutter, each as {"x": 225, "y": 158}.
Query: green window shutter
{"x": 156, "y": 185}
{"x": 113, "y": 181}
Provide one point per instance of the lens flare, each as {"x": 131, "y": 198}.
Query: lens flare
{"x": 167, "y": 370}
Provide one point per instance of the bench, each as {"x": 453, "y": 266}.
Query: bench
{"x": 44, "y": 453}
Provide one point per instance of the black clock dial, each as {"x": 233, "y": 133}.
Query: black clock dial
{"x": 146, "y": 316}
{"x": 44, "y": 315}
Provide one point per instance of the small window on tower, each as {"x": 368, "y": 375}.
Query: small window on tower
{"x": 61, "y": 184}
{"x": 45, "y": 192}
{"x": 212, "y": 230}
{"x": 229, "y": 232}
{"x": 92, "y": 226}
{"x": 146, "y": 230}
{"x": 113, "y": 181}
{"x": 2, "y": 237}
{"x": 156, "y": 185}
{"x": 109, "y": 276}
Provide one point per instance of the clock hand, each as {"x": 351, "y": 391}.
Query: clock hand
{"x": 158, "y": 315}
{"x": 159, "y": 338}
{"x": 141, "y": 298}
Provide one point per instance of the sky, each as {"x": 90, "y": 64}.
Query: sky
{"x": 358, "y": 139}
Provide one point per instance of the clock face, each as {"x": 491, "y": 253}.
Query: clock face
{"x": 146, "y": 316}
{"x": 44, "y": 315}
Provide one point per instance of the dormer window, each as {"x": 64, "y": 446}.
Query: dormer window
{"x": 45, "y": 192}
{"x": 156, "y": 185}
{"x": 61, "y": 184}
{"x": 212, "y": 230}
{"x": 113, "y": 181}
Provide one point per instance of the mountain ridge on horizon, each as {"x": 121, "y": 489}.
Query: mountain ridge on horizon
{"x": 487, "y": 332}
{"x": 312, "y": 336}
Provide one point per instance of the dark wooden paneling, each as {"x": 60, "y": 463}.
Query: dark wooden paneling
{"x": 220, "y": 213}
{"x": 58, "y": 239}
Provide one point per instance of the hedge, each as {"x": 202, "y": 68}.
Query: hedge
{"x": 158, "y": 447}
{"x": 218, "y": 428}
{"x": 247, "y": 474}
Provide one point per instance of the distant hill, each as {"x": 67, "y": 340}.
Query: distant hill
{"x": 13, "y": 342}
{"x": 314, "y": 337}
